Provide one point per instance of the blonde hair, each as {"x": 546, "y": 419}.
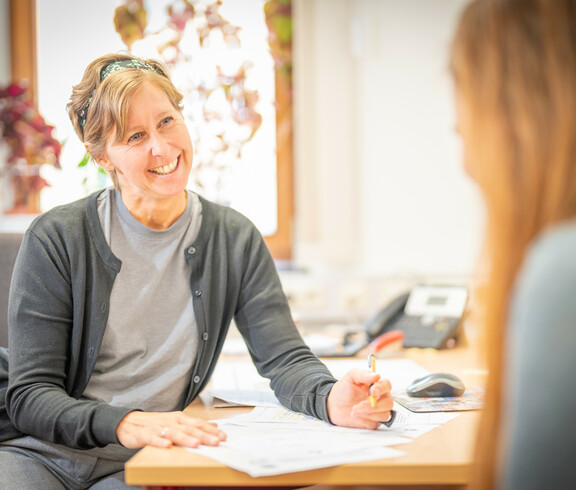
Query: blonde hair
{"x": 514, "y": 66}
{"x": 97, "y": 107}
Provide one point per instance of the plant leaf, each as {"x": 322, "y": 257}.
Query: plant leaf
{"x": 84, "y": 161}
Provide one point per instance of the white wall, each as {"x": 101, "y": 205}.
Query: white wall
{"x": 380, "y": 186}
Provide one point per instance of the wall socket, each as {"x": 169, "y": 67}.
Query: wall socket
{"x": 353, "y": 295}
{"x": 310, "y": 295}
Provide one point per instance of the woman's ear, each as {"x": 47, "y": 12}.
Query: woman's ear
{"x": 105, "y": 164}
{"x": 101, "y": 161}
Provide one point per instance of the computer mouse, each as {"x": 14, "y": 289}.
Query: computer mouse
{"x": 436, "y": 385}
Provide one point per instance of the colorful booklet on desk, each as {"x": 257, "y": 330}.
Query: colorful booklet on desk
{"x": 472, "y": 399}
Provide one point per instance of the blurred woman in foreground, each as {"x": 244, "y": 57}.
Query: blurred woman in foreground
{"x": 514, "y": 67}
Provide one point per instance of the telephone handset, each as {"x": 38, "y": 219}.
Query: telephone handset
{"x": 391, "y": 313}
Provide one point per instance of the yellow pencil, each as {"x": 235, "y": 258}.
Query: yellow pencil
{"x": 372, "y": 366}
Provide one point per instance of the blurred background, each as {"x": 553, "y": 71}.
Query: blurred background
{"x": 367, "y": 184}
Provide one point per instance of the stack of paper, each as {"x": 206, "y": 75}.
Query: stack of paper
{"x": 271, "y": 441}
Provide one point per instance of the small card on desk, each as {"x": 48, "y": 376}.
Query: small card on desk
{"x": 472, "y": 399}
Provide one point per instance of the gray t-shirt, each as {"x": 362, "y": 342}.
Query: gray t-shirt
{"x": 150, "y": 343}
{"x": 539, "y": 427}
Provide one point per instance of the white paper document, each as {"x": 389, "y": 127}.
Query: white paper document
{"x": 272, "y": 441}
{"x": 252, "y": 398}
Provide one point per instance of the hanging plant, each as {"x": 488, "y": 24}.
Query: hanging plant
{"x": 30, "y": 145}
{"x": 220, "y": 98}
{"x": 24, "y": 130}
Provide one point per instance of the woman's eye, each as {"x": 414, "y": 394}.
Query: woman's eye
{"x": 135, "y": 137}
{"x": 166, "y": 120}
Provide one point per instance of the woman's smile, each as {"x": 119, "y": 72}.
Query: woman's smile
{"x": 166, "y": 169}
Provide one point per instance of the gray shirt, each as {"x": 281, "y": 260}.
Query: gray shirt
{"x": 539, "y": 423}
{"x": 150, "y": 342}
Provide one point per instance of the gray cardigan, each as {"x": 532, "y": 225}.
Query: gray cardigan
{"x": 58, "y": 311}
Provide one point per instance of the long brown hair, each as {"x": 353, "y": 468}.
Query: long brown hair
{"x": 514, "y": 66}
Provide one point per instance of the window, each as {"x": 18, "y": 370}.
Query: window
{"x": 36, "y": 51}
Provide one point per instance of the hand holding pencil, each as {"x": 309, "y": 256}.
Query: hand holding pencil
{"x": 372, "y": 365}
{"x": 374, "y": 400}
{"x": 361, "y": 399}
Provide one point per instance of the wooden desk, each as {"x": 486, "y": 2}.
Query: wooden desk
{"x": 438, "y": 459}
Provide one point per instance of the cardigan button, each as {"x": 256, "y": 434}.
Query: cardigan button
{"x": 205, "y": 335}
{"x": 196, "y": 379}
{"x": 191, "y": 250}
{"x": 198, "y": 292}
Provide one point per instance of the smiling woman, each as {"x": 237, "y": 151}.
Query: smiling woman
{"x": 35, "y": 59}
{"x": 148, "y": 151}
{"x": 125, "y": 299}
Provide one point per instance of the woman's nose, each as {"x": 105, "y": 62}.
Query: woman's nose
{"x": 158, "y": 144}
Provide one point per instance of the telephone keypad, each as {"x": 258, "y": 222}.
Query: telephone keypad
{"x": 425, "y": 332}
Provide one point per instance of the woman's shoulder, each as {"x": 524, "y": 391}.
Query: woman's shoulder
{"x": 66, "y": 218}
{"x": 547, "y": 278}
{"x": 554, "y": 251}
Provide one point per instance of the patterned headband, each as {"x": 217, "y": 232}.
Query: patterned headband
{"x": 106, "y": 72}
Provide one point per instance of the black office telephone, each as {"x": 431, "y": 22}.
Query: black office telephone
{"x": 428, "y": 316}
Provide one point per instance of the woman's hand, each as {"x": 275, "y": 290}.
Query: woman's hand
{"x": 348, "y": 403}
{"x": 162, "y": 429}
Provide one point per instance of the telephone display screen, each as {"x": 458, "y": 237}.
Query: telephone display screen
{"x": 436, "y": 301}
